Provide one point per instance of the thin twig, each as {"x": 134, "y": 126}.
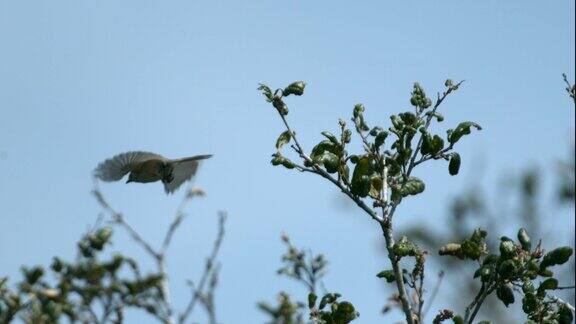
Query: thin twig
{"x": 158, "y": 256}
{"x": 193, "y": 192}
{"x": 477, "y": 302}
{"x": 197, "y": 291}
{"x": 119, "y": 220}
{"x": 420, "y": 293}
{"x": 434, "y": 293}
{"x": 566, "y": 287}
{"x": 207, "y": 299}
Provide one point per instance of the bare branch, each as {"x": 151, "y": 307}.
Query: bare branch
{"x": 192, "y": 192}
{"x": 118, "y": 219}
{"x": 434, "y": 293}
{"x": 197, "y": 292}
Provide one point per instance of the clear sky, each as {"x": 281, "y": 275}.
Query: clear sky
{"x": 82, "y": 80}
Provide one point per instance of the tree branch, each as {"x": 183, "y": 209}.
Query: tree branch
{"x": 477, "y": 302}
{"x": 159, "y": 256}
{"x": 209, "y": 267}
{"x": 434, "y": 293}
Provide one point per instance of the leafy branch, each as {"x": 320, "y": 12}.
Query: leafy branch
{"x": 515, "y": 268}
{"x": 307, "y": 269}
{"x": 382, "y": 175}
{"x": 209, "y": 276}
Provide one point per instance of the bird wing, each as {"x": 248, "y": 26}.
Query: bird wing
{"x": 183, "y": 169}
{"x": 115, "y": 168}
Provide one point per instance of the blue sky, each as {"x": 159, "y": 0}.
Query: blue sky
{"x": 83, "y": 80}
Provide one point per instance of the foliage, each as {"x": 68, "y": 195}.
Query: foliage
{"x": 516, "y": 267}
{"x": 96, "y": 289}
{"x": 308, "y": 270}
{"x": 380, "y": 177}
{"x": 80, "y": 286}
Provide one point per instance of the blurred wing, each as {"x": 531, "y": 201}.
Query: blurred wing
{"x": 193, "y": 158}
{"x": 115, "y": 168}
{"x": 183, "y": 170}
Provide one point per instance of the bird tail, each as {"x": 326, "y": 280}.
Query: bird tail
{"x": 194, "y": 158}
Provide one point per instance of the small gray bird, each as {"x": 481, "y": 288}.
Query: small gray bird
{"x": 149, "y": 167}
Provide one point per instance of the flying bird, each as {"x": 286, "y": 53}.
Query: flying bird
{"x": 149, "y": 167}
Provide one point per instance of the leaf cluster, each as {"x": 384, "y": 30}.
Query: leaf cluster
{"x": 394, "y": 148}
{"x": 307, "y": 269}
{"x": 89, "y": 289}
{"x": 517, "y": 268}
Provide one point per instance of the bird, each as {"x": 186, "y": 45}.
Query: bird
{"x": 145, "y": 167}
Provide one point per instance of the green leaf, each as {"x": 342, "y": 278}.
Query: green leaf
{"x": 524, "y": 239}
{"x": 280, "y": 106}
{"x": 490, "y": 259}
{"x": 527, "y": 286}
{"x": 324, "y": 146}
{"x": 358, "y": 110}
{"x": 397, "y": 123}
{"x": 380, "y": 138}
{"x": 295, "y": 88}
{"x": 545, "y": 273}
{"x": 413, "y": 187}
{"x": 505, "y": 294}
{"x": 454, "y": 165}
{"x": 375, "y": 185}
{"x": 507, "y": 269}
{"x": 347, "y": 136}
{"x": 33, "y": 274}
{"x": 393, "y": 167}
{"x": 431, "y": 144}
{"x": 344, "y": 313}
{"x": 375, "y": 131}
{"x": 404, "y": 247}
{"x": 358, "y": 118}
{"x": 478, "y": 235}
{"x": 283, "y": 139}
{"x": 312, "y": 300}
{"x": 266, "y": 92}
{"x": 329, "y": 160}
{"x": 529, "y": 303}
{"x": 556, "y": 257}
{"x": 419, "y": 98}
{"x": 344, "y": 172}
{"x": 507, "y": 249}
{"x": 548, "y": 284}
{"x": 484, "y": 272}
{"x": 280, "y": 160}
{"x": 328, "y": 299}
{"x": 387, "y": 274}
{"x": 362, "y": 176}
{"x": 565, "y": 315}
{"x": 330, "y": 137}
{"x": 426, "y": 147}
{"x": 461, "y": 130}
{"x": 57, "y": 264}
{"x": 471, "y": 250}
{"x": 408, "y": 118}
